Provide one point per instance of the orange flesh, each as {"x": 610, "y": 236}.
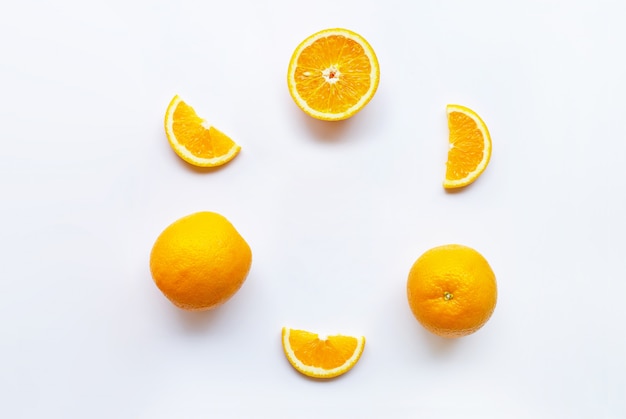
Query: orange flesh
{"x": 347, "y": 66}
{"x": 466, "y": 146}
{"x": 330, "y": 353}
{"x": 200, "y": 141}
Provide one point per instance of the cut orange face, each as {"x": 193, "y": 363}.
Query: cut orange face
{"x": 321, "y": 356}
{"x": 194, "y": 140}
{"x": 469, "y": 147}
{"x": 333, "y": 74}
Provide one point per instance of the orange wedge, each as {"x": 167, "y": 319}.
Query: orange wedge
{"x": 333, "y": 74}
{"x": 469, "y": 147}
{"x": 194, "y": 140}
{"x": 321, "y": 356}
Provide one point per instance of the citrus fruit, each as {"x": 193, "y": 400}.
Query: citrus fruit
{"x": 194, "y": 140}
{"x": 200, "y": 261}
{"x": 333, "y": 74}
{"x": 321, "y": 356}
{"x": 469, "y": 147}
{"x": 452, "y": 290}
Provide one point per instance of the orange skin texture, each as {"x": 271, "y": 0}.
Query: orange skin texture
{"x": 200, "y": 261}
{"x": 452, "y": 290}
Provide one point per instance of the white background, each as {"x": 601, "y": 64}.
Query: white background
{"x": 335, "y": 213}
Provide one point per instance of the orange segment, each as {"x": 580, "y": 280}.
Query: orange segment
{"x": 469, "y": 147}
{"x": 321, "y": 357}
{"x": 194, "y": 140}
{"x": 333, "y": 74}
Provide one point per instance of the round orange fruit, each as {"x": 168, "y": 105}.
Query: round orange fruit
{"x": 200, "y": 261}
{"x": 452, "y": 290}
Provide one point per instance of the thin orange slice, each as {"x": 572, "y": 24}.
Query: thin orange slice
{"x": 194, "y": 140}
{"x": 321, "y": 356}
{"x": 333, "y": 74}
{"x": 469, "y": 147}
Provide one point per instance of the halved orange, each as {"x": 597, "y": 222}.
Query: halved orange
{"x": 469, "y": 147}
{"x": 333, "y": 74}
{"x": 194, "y": 140}
{"x": 321, "y": 356}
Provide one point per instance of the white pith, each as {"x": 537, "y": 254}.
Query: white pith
{"x": 336, "y": 74}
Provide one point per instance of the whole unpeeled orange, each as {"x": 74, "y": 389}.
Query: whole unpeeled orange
{"x": 200, "y": 261}
{"x": 452, "y": 290}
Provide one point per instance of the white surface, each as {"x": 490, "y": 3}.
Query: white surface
{"x": 335, "y": 213}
